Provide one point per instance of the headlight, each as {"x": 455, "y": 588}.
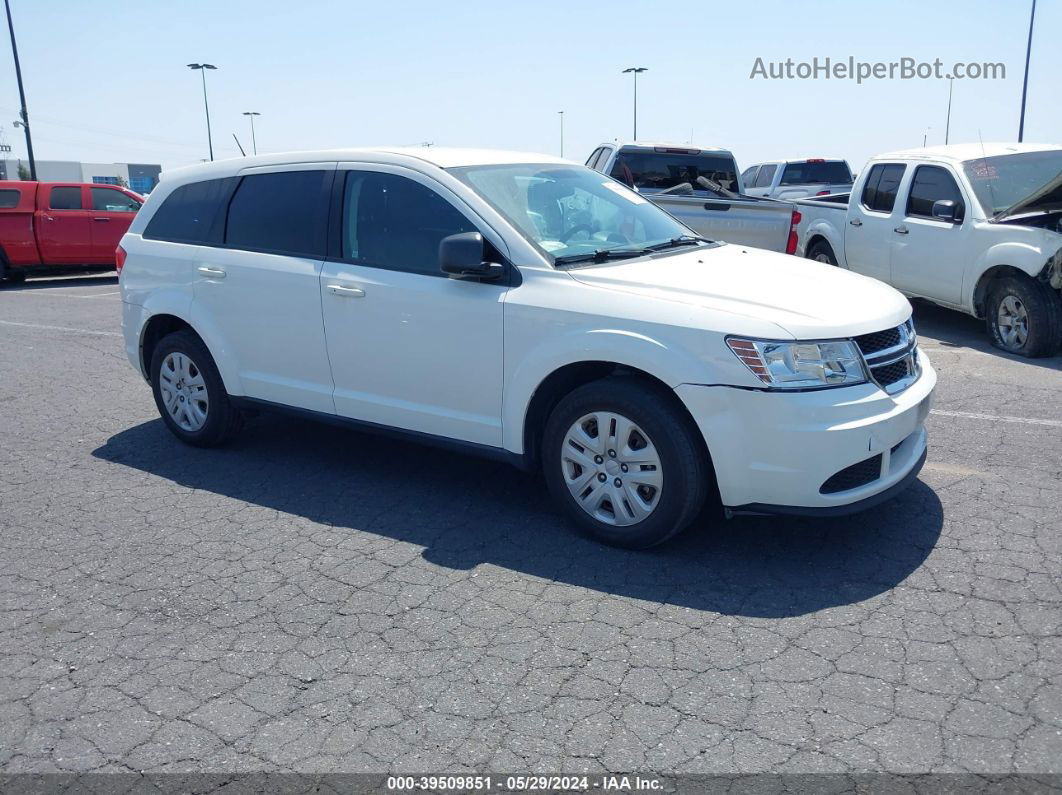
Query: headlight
{"x": 801, "y": 365}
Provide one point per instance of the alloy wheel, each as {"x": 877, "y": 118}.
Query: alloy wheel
{"x": 1012, "y": 323}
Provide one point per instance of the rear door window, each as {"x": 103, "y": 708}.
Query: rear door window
{"x": 932, "y": 184}
{"x": 67, "y": 198}
{"x": 659, "y": 170}
{"x": 747, "y": 176}
{"x": 284, "y": 212}
{"x": 823, "y": 172}
{"x": 591, "y": 161}
{"x": 193, "y": 213}
{"x": 9, "y": 199}
{"x": 763, "y": 179}
{"x": 883, "y": 181}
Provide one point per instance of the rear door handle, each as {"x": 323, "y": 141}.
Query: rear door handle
{"x": 856, "y": 222}
{"x": 345, "y": 291}
{"x": 211, "y": 273}
{"x": 101, "y": 219}
{"x": 901, "y": 230}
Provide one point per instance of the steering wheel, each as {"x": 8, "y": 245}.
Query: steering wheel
{"x": 567, "y": 235}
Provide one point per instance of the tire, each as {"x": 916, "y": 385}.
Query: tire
{"x": 1024, "y": 317}
{"x": 189, "y": 392}
{"x": 647, "y": 514}
{"x": 822, "y": 252}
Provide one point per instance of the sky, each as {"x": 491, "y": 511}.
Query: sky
{"x": 108, "y": 82}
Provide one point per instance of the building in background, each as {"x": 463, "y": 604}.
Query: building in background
{"x": 140, "y": 177}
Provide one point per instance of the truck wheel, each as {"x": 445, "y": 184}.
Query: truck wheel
{"x": 1024, "y": 316}
{"x": 822, "y": 252}
{"x": 189, "y": 392}
{"x": 624, "y": 462}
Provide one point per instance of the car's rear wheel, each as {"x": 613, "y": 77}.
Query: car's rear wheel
{"x": 624, "y": 462}
{"x": 189, "y": 392}
{"x": 822, "y": 252}
{"x": 1024, "y": 317}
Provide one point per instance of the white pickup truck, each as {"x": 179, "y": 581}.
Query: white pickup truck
{"x": 972, "y": 227}
{"x": 702, "y": 188}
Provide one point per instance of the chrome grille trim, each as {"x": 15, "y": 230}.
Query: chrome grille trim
{"x": 880, "y": 364}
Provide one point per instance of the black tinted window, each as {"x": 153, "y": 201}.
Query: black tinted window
{"x": 932, "y": 184}
{"x": 113, "y": 201}
{"x": 65, "y": 199}
{"x": 763, "y": 179}
{"x": 284, "y": 212}
{"x": 879, "y": 191}
{"x": 396, "y": 223}
{"x": 193, "y": 213}
{"x": 829, "y": 172}
{"x": 9, "y": 199}
{"x": 661, "y": 170}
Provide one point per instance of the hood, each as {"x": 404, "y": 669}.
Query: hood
{"x": 808, "y": 299}
{"x": 1045, "y": 199}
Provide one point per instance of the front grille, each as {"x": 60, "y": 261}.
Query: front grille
{"x": 878, "y": 341}
{"x": 891, "y": 356}
{"x": 854, "y": 476}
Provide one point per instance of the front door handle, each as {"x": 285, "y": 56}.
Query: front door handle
{"x": 902, "y": 230}
{"x": 211, "y": 273}
{"x": 345, "y": 291}
{"x": 856, "y": 222}
{"x": 101, "y": 219}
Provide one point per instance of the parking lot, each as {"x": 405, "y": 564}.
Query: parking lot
{"x": 317, "y": 599}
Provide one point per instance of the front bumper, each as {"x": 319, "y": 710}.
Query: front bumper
{"x": 774, "y": 451}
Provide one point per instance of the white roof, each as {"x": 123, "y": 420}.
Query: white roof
{"x": 440, "y": 156}
{"x": 654, "y": 144}
{"x": 962, "y": 152}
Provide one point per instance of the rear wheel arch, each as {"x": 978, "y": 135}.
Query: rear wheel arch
{"x": 818, "y": 241}
{"x": 155, "y": 330}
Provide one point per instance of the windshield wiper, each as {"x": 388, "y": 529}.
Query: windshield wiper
{"x": 602, "y": 255}
{"x": 683, "y": 240}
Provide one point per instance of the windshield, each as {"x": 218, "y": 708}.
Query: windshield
{"x": 817, "y": 172}
{"x": 652, "y": 171}
{"x": 571, "y": 211}
{"x": 1003, "y": 181}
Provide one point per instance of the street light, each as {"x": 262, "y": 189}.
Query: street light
{"x": 561, "y": 114}
{"x": 23, "y": 113}
{"x": 636, "y": 70}
{"x": 252, "y": 114}
{"x": 1025, "y": 83}
{"x": 202, "y": 67}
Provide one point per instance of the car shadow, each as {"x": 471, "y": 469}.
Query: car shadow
{"x": 465, "y": 511}
{"x": 953, "y": 329}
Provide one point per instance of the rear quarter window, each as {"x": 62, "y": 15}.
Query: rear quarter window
{"x": 9, "y": 199}
{"x": 193, "y": 213}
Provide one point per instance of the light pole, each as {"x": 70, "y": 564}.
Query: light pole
{"x": 1025, "y": 83}
{"x": 21, "y": 95}
{"x": 561, "y": 114}
{"x": 636, "y": 70}
{"x": 202, "y": 67}
{"x": 252, "y": 114}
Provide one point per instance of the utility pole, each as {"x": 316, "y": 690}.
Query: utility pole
{"x": 561, "y": 114}
{"x": 636, "y": 70}
{"x": 21, "y": 95}
{"x": 947, "y": 126}
{"x": 202, "y": 67}
{"x": 252, "y": 114}
{"x": 1025, "y": 82}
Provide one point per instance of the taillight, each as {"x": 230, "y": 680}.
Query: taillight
{"x": 791, "y": 244}
{"x": 119, "y": 259}
{"x": 823, "y": 193}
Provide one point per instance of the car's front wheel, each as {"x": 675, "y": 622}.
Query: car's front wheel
{"x": 625, "y": 462}
{"x": 189, "y": 392}
{"x": 1024, "y": 317}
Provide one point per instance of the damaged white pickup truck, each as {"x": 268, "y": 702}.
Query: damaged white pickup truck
{"x": 972, "y": 227}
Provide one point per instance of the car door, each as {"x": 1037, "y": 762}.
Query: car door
{"x": 761, "y": 186}
{"x": 872, "y": 217}
{"x": 63, "y": 231}
{"x": 259, "y": 289}
{"x": 929, "y": 255}
{"x": 409, "y": 347}
{"x": 112, "y": 212}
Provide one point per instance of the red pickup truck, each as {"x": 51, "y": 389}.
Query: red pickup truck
{"x": 52, "y": 225}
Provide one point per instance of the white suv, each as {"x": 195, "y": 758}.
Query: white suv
{"x": 530, "y": 309}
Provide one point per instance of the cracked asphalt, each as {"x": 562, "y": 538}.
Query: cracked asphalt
{"x": 315, "y": 599}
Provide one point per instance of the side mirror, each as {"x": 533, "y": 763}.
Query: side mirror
{"x": 946, "y": 210}
{"x": 462, "y": 256}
